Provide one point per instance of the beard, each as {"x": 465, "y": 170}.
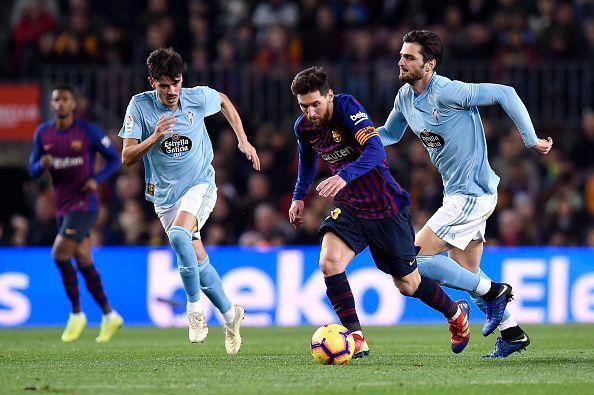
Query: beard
{"x": 410, "y": 76}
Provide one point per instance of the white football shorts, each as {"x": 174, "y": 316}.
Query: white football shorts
{"x": 462, "y": 218}
{"x": 198, "y": 201}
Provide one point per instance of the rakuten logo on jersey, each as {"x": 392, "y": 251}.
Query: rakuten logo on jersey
{"x": 359, "y": 117}
{"x": 338, "y": 154}
{"x": 65, "y": 163}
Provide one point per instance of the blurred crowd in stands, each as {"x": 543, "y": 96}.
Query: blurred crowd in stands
{"x": 542, "y": 200}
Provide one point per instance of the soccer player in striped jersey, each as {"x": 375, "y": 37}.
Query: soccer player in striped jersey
{"x": 66, "y": 147}
{"x": 371, "y": 209}
{"x": 444, "y": 115}
{"x": 165, "y": 127}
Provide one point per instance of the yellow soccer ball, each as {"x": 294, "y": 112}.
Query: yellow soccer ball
{"x": 332, "y": 344}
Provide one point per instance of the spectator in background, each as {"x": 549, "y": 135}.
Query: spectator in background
{"x": 28, "y": 29}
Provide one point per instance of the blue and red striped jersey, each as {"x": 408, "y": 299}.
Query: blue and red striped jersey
{"x": 352, "y": 148}
{"x": 73, "y": 151}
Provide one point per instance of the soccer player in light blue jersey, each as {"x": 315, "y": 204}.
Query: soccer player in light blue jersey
{"x": 444, "y": 115}
{"x": 166, "y": 128}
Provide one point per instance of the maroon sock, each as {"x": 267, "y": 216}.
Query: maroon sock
{"x": 343, "y": 302}
{"x": 430, "y": 293}
{"x": 70, "y": 283}
{"x": 95, "y": 287}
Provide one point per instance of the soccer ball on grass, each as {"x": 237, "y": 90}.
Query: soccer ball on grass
{"x": 332, "y": 344}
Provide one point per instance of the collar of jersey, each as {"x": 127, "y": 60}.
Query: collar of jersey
{"x": 426, "y": 90}
{"x": 163, "y": 107}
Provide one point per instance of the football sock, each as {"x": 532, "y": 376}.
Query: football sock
{"x": 95, "y": 287}
{"x": 342, "y": 300}
{"x": 194, "y": 307}
{"x": 70, "y": 283}
{"x": 229, "y": 316}
{"x": 480, "y": 302}
{"x": 448, "y": 272}
{"x": 513, "y": 333}
{"x": 430, "y": 293}
{"x": 211, "y": 285}
{"x": 187, "y": 263}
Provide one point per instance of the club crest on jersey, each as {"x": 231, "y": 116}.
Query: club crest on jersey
{"x": 176, "y": 146}
{"x": 431, "y": 140}
{"x": 190, "y": 116}
{"x": 76, "y": 145}
{"x": 335, "y": 213}
{"x": 435, "y": 113}
{"x": 336, "y": 136}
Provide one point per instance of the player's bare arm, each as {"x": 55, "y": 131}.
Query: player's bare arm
{"x": 133, "y": 150}
{"x": 296, "y": 213}
{"x": 230, "y": 112}
{"x": 330, "y": 186}
{"x": 543, "y": 146}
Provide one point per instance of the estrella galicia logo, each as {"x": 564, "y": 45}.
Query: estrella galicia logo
{"x": 432, "y": 140}
{"x": 176, "y": 145}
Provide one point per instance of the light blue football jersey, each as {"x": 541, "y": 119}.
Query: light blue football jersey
{"x": 180, "y": 160}
{"x": 446, "y": 119}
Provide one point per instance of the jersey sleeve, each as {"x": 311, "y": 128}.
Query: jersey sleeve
{"x": 355, "y": 118}
{"x": 35, "y": 168}
{"x": 102, "y": 143}
{"x": 212, "y": 101}
{"x": 306, "y": 169}
{"x": 459, "y": 94}
{"x": 132, "y": 127}
{"x": 395, "y": 126}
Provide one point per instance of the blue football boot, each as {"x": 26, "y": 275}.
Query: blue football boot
{"x": 503, "y": 348}
{"x": 496, "y": 308}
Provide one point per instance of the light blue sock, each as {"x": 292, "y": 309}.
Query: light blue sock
{"x": 187, "y": 263}
{"x": 211, "y": 285}
{"x": 447, "y": 272}
{"x": 481, "y": 303}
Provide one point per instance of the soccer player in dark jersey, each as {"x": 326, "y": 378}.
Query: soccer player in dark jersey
{"x": 66, "y": 147}
{"x": 371, "y": 209}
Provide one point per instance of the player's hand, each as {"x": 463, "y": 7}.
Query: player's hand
{"x": 250, "y": 153}
{"x": 543, "y": 146}
{"x": 89, "y": 186}
{"x": 46, "y": 161}
{"x": 330, "y": 186}
{"x": 164, "y": 126}
{"x": 296, "y": 213}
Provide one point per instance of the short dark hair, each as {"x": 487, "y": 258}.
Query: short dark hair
{"x": 431, "y": 45}
{"x": 310, "y": 80}
{"x": 165, "y": 62}
{"x": 67, "y": 88}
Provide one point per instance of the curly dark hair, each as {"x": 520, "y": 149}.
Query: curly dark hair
{"x": 431, "y": 45}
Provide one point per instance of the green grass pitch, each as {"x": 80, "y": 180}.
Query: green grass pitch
{"x": 404, "y": 360}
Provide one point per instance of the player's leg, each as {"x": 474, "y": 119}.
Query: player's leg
{"x": 63, "y": 250}
{"x": 391, "y": 242}
{"x": 200, "y": 201}
{"x": 111, "y": 321}
{"x": 460, "y": 220}
{"x": 180, "y": 239}
{"x": 513, "y": 338}
{"x": 335, "y": 256}
{"x": 211, "y": 285}
{"x": 342, "y": 239}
